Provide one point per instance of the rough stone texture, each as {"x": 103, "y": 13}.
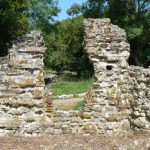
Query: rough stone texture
{"x": 22, "y": 88}
{"x": 140, "y": 115}
{"x": 119, "y": 100}
{"x": 120, "y": 97}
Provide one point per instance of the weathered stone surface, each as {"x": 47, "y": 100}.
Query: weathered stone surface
{"x": 22, "y": 87}
{"x": 121, "y": 91}
{"x": 119, "y": 100}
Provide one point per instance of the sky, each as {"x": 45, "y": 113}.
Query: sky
{"x": 64, "y": 5}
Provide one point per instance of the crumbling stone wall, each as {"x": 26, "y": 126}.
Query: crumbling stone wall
{"x": 119, "y": 100}
{"x": 108, "y": 50}
{"x": 120, "y": 95}
{"x": 140, "y": 81}
{"x": 22, "y": 87}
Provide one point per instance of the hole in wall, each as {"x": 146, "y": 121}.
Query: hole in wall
{"x": 109, "y": 67}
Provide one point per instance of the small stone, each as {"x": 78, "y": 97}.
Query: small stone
{"x": 136, "y": 143}
{"x": 57, "y": 131}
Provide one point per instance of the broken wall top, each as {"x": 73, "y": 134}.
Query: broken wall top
{"x": 27, "y": 51}
{"x": 106, "y": 43}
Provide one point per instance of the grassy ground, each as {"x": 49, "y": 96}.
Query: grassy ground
{"x": 78, "y": 105}
{"x": 71, "y": 86}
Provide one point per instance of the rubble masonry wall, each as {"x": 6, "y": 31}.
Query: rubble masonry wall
{"x": 119, "y": 100}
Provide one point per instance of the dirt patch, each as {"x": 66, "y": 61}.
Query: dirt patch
{"x": 77, "y": 142}
{"x": 65, "y": 104}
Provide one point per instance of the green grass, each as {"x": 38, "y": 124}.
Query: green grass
{"x": 78, "y": 105}
{"x": 129, "y": 149}
{"x": 71, "y": 86}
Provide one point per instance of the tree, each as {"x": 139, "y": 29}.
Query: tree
{"x": 42, "y": 13}
{"x": 74, "y": 10}
{"x": 13, "y": 22}
{"x": 18, "y": 16}
{"x": 118, "y": 11}
{"x": 93, "y": 8}
{"x": 65, "y": 49}
{"x": 133, "y": 16}
{"x": 137, "y": 28}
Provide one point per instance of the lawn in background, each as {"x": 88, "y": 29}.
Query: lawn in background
{"x": 68, "y": 85}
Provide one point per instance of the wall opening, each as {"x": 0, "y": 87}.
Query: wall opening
{"x": 69, "y": 92}
{"x": 70, "y": 87}
{"x": 109, "y": 67}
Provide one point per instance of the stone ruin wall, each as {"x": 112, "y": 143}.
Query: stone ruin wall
{"x": 22, "y": 88}
{"x": 121, "y": 93}
{"x": 119, "y": 100}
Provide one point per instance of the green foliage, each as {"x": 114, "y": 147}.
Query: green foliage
{"x": 79, "y": 105}
{"x": 93, "y": 8}
{"x": 133, "y": 16}
{"x": 17, "y": 16}
{"x": 64, "y": 39}
{"x": 118, "y": 11}
{"x": 134, "y": 32}
{"x": 74, "y": 10}
{"x": 42, "y": 13}
{"x": 65, "y": 49}
{"x": 13, "y": 22}
{"x": 64, "y": 42}
{"x": 71, "y": 86}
